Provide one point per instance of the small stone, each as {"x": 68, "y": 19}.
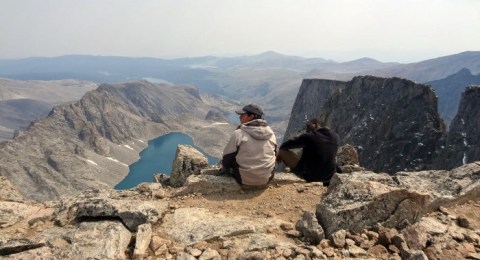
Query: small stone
{"x": 158, "y": 194}
{"x": 210, "y": 254}
{"x": 175, "y": 249}
{"x": 329, "y": 251}
{"x": 303, "y": 251}
{"x": 143, "y": 187}
{"x": 156, "y": 242}
{"x": 162, "y": 250}
{"x": 372, "y": 234}
{"x": 301, "y": 189}
{"x": 287, "y": 226}
{"x": 223, "y": 252}
{"x": 393, "y": 249}
{"x": 338, "y": 238}
{"x": 270, "y": 230}
{"x": 293, "y": 233}
{"x": 315, "y": 252}
{"x": 356, "y": 251}
{"x": 472, "y": 237}
{"x": 287, "y": 252}
{"x": 202, "y": 245}
{"x": 366, "y": 244}
{"x": 184, "y": 256}
{"x": 377, "y": 251}
{"x": 443, "y": 210}
{"x": 324, "y": 243}
{"x": 194, "y": 251}
{"x": 463, "y": 221}
{"x": 349, "y": 242}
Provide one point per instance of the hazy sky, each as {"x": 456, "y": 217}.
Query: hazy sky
{"x": 396, "y": 30}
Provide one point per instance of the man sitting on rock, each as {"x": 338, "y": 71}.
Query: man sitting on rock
{"x": 317, "y": 162}
{"x": 250, "y": 154}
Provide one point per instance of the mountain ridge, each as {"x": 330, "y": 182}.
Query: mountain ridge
{"x": 84, "y": 145}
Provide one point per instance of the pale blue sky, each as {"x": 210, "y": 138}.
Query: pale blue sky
{"x": 396, "y": 30}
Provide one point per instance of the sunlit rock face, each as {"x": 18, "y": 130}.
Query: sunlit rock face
{"x": 463, "y": 141}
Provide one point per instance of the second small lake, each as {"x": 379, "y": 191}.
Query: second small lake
{"x": 157, "y": 158}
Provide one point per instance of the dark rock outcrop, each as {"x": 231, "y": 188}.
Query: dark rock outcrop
{"x": 311, "y": 97}
{"x": 463, "y": 140}
{"x": 394, "y": 122}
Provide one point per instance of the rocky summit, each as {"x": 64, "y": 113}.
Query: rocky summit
{"x": 365, "y": 215}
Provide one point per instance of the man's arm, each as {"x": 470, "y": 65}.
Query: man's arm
{"x": 297, "y": 142}
{"x": 230, "y": 152}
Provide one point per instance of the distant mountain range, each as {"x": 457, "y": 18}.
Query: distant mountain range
{"x": 104, "y": 69}
{"x": 269, "y": 79}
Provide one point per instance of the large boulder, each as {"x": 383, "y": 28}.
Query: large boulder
{"x": 191, "y": 225}
{"x": 202, "y": 183}
{"x": 101, "y": 240}
{"x": 132, "y": 212}
{"x": 347, "y": 159}
{"x": 133, "y": 207}
{"x": 363, "y": 199}
{"x": 187, "y": 161}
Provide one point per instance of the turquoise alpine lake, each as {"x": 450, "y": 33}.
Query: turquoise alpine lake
{"x": 157, "y": 158}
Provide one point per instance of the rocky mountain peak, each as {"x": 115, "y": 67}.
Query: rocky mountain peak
{"x": 311, "y": 97}
{"x": 392, "y": 121}
{"x": 463, "y": 141}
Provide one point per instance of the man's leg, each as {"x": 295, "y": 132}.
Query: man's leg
{"x": 289, "y": 158}
{"x": 236, "y": 175}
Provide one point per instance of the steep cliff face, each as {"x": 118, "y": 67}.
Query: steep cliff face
{"x": 463, "y": 139}
{"x": 394, "y": 122}
{"x": 89, "y": 144}
{"x": 311, "y": 97}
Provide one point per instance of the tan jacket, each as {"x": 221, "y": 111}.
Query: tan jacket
{"x": 254, "y": 146}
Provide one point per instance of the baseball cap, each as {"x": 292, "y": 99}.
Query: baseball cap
{"x": 252, "y": 109}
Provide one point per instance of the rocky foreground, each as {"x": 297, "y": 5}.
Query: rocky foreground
{"x": 411, "y": 215}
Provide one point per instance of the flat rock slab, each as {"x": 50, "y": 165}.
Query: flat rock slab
{"x": 14, "y": 212}
{"x": 132, "y": 212}
{"x": 214, "y": 183}
{"x": 101, "y": 240}
{"x": 191, "y": 225}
